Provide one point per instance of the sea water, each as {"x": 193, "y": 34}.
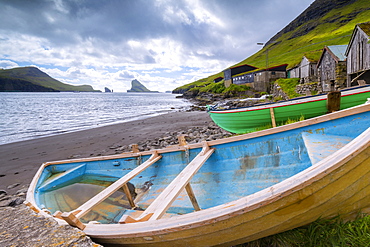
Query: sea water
{"x": 26, "y": 116}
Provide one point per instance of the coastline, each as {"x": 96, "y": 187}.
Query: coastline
{"x": 19, "y": 161}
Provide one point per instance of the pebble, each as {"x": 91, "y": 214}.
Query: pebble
{"x": 192, "y": 135}
{"x": 13, "y": 186}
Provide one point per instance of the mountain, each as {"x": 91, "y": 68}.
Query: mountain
{"x": 137, "y": 87}
{"x": 31, "y": 79}
{"x": 323, "y": 23}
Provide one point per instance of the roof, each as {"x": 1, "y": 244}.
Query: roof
{"x": 365, "y": 27}
{"x": 336, "y": 51}
{"x": 281, "y": 67}
{"x": 309, "y": 59}
{"x": 339, "y": 51}
{"x": 242, "y": 65}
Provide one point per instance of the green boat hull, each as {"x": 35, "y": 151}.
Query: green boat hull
{"x": 250, "y": 119}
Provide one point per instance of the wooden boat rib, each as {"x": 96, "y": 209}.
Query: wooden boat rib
{"x": 259, "y": 184}
{"x": 247, "y": 119}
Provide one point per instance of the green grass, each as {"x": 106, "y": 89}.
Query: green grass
{"x": 321, "y": 233}
{"x": 217, "y": 88}
{"x": 288, "y": 86}
{"x": 35, "y": 76}
{"x": 236, "y": 88}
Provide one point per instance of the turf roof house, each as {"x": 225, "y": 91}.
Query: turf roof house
{"x": 358, "y": 56}
{"x": 332, "y": 66}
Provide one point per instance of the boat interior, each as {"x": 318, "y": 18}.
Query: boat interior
{"x": 167, "y": 184}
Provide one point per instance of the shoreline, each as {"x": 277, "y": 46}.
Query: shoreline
{"x": 141, "y": 117}
{"x": 19, "y": 161}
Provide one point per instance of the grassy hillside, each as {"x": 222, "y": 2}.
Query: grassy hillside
{"x": 325, "y": 22}
{"x": 32, "y": 75}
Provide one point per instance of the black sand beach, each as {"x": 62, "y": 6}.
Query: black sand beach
{"x": 19, "y": 161}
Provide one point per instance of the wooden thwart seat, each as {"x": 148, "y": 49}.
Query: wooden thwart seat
{"x": 160, "y": 205}
{"x": 72, "y": 217}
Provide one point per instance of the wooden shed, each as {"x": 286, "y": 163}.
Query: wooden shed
{"x": 358, "y": 56}
{"x": 308, "y": 70}
{"x": 294, "y": 72}
{"x": 332, "y": 67}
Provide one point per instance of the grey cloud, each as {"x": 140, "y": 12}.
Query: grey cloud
{"x": 108, "y": 25}
{"x": 125, "y": 75}
{"x": 6, "y": 64}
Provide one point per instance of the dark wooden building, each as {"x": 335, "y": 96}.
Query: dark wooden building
{"x": 358, "y": 56}
{"x": 260, "y": 79}
{"x": 332, "y": 66}
{"x": 230, "y": 72}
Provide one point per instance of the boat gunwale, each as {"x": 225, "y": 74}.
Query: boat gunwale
{"x": 290, "y": 102}
{"x": 237, "y": 207}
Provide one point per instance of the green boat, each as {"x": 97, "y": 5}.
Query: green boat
{"x": 249, "y": 119}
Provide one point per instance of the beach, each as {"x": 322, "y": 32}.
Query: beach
{"x": 19, "y": 161}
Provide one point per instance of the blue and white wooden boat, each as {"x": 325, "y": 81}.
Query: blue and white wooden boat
{"x": 221, "y": 192}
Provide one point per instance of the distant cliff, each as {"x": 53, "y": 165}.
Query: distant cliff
{"x": 31, "y": 79}
{"x": 137, "y": 87}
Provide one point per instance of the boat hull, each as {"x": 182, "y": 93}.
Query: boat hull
{"x": 298, "y": 206}
{"x": 324, "y": 184}
{"x": 249, "y": 119}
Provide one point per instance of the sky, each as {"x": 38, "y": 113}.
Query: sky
{"x": 162, "y": 43}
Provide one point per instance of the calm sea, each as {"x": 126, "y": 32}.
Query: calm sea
{"x": 31, "y": 115}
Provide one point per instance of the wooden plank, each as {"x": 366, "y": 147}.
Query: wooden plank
{"x": 135, "y": 148}
{"x": 86, "y": 207}
{"x": 63, "y": 178}
{"x": 191, "y": 195}
{"x": 128, "y": 195}
{"x": 160, "y": 205}
{"x": 182, "y": 140}
{"x": 72, "y": 220}
{"x": 273, "y": 121}
{"x": 354, "y": 79}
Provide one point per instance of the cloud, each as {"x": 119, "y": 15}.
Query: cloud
{"x": 162, "y": 41}
{"x": 6, "y": 64}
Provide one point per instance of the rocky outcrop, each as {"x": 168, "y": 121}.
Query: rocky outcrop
{"x": 278, "y": 93}
{"x": 137, "y": 87}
